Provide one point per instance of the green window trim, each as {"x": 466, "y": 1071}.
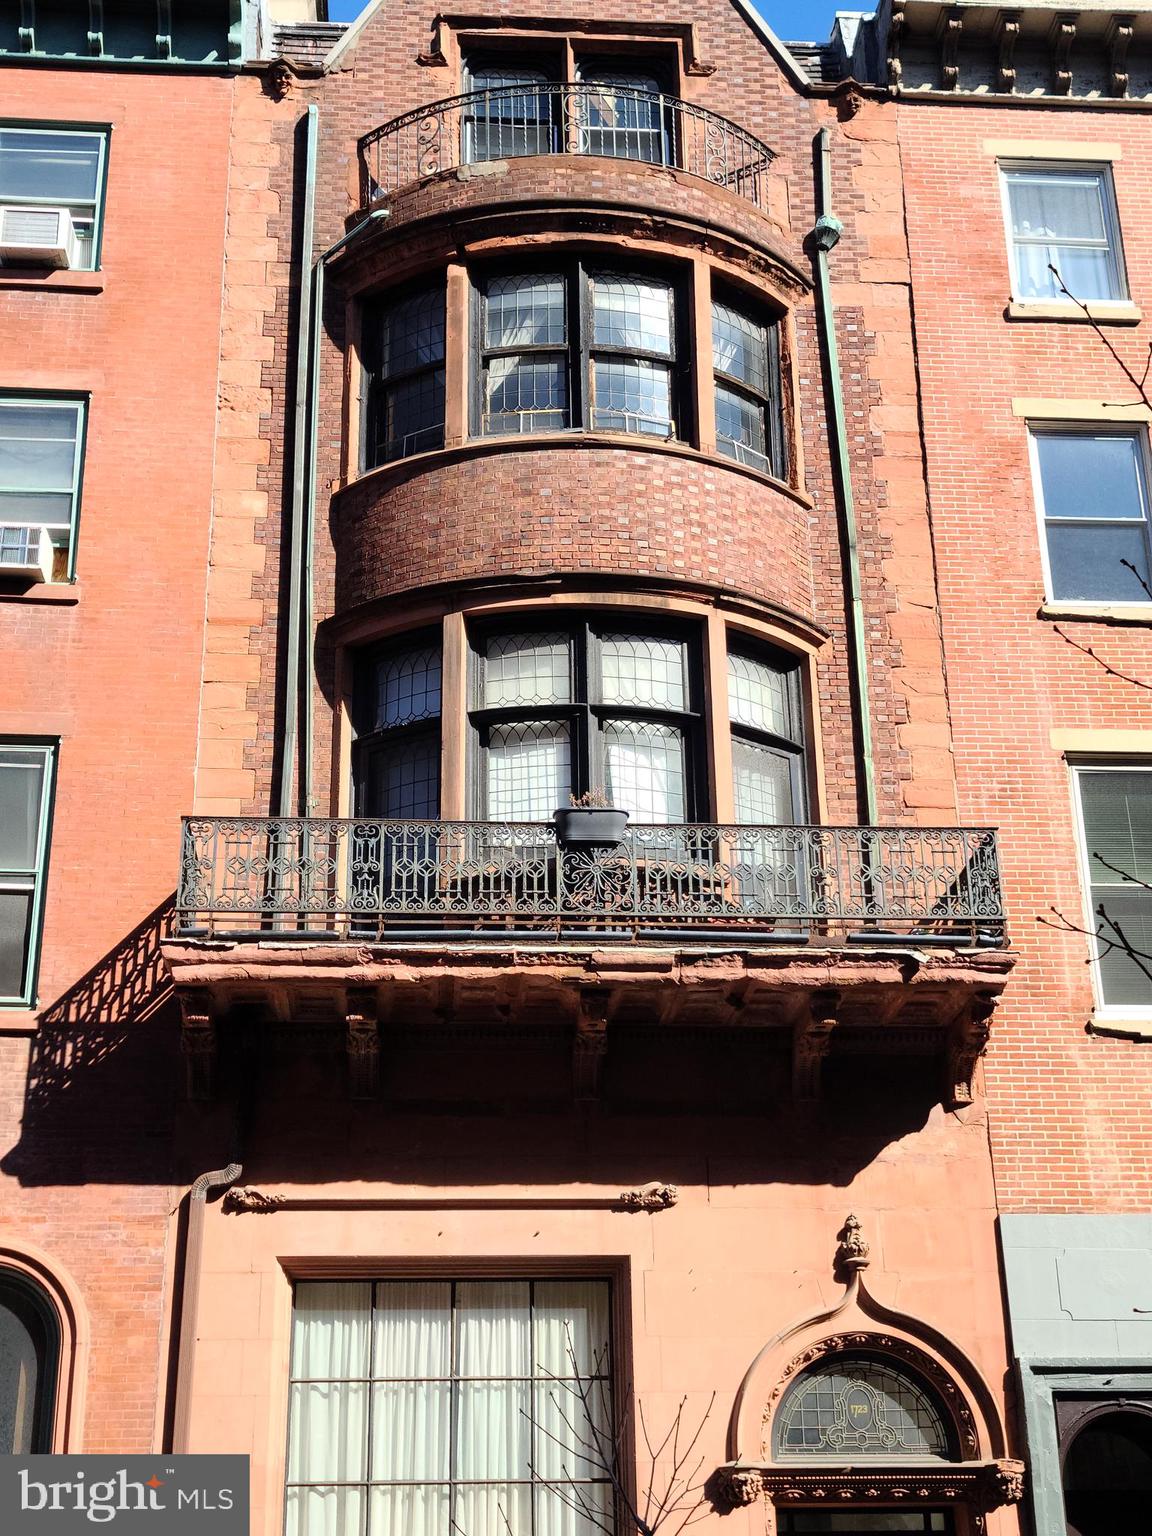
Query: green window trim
{"x": 34, "y": 878}
{"x": 164, "y": 30}
{"x": 23, "y": 400}
{"x": 97, "y": 203}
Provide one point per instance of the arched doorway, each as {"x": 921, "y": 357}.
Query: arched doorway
{"x": 29, "y": 1365}
{"x": 1106, "y": 1451}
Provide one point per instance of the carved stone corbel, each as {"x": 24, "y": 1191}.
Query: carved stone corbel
{"x": 590, "y": 1043}
{"x": 1007, "y": 36}
{"x": 362, "y": 1041}
{"x": 254, "y": 1201}
{"x": 897, "y": 24}
{"x": 811, "y": 1039}
{"x": 1003, "y": 1483}
{"x": 732, "y": 1488}
{"x": 1060, "y": 40}
{"x": 649, "y": 1197}
{"x": 435, "y": 57}
{"x": 1120, "y": 35}
{"x": 198, "y": 1042}
{"x": 967, "y": 1042}
{"x": 852, "y": 1253}
{"x": 950, "y": 35}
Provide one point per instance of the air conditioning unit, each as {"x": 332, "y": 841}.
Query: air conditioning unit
{"x": 25, "y": 552}
{"x": 37, "y": 237}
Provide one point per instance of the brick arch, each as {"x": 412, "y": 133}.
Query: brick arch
{"x": 58, "y": 1288}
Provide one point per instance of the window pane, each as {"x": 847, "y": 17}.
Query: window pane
{"x": 54, "y": 167}
{"x": 492, "y": 1511}
{"x": 1057, "y": 205}
{"x": 62, "y": 27}
{"x": 556, "y": 1515}
{"x": 200, "y": 29}
{"x": 1118, "y": 824}
{"x": 21, "y": 794}
{"x": 1086, "y": 273}
{"x": 325, "y": 1512}
{"x": 644, "y": 770}
{"x": 51, "y": 509}
{"x": 419, "y": 1511}
{"x": 1124, "y": 979}
{"x": 525, "y": 311}
{"x": 330, "y": 1330}
{"x": 623, "y": 118}
{"x": 762, "y": 786}
{"x": 21, "y": 1345}
{"x": 492, "y": 1328}
{"x": 529, "y": 773}
{"x": 527, "y": 669}
{"x": 573, "y": 1433}
{"x": 858, "y": 1408}
{"x": 570, "y": 1327}
{"x": 525, "y": 394}
{"x": 15, "y": 939}
{"x": 494, "y": 1430}
{"x": 632, "y": 395}
{"x": 408, "y": 687}
{"x": 411, "y": 1431}
{"x": 1083, "y": 475}
{"x": 740, "y": 347}
{"x": 631, "y": 313}
{"x": 1086, "y": 561}
{"x": 758, "y": 695}
{"x": 412, "y": 333}
{"x": 404, "y": 779}
{"x": 413, "y": 416}
{"x": 412, "y": 1330}
{"x": 741, "y": 429}
{"x": 644, "y": 671}
{"x": 38, "y": 446}
{"x": 329, "y": 1432}
{"x": 507, "y": 121}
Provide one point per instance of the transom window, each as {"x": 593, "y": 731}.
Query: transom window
{"x": 1063, "y": 216}
{"x": 57, "y": 168}
{"x": 746, "y": 357}
{"x": 578, "y": 347}
{"x": 1115, "y": 804}
{"x": 1093, "y": 492}
{"x": 403, "y": 348}
{"x": 451, "y": 1408}
{"x": 853, "y": 1407}
{"x": 41, "y": 447}
{"x": 25, "y": 797}
{"x": 560, "y": 712}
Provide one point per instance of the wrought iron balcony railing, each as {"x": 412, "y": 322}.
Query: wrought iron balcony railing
{"x": 326, "y": 879}
{"x": 554, "y": 119}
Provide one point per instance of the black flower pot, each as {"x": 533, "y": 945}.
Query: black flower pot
{"x": 586, "y": 826}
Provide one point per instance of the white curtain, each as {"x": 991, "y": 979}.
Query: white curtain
{"x": 645, "y": 770}
{"x": 529, "y": 771}
{"x": 411, "y": 1410}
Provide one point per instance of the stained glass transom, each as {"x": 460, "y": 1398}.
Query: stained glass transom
{"x": 859, "y": 1407}
{"x": 527, "y": 669}
{"x": 408, "y": 687}
{"x": 526, "y": 311}
{"x": 644, "y": 670}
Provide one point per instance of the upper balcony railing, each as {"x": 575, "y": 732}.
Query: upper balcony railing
{"x": 331, "y": 880}
{"x": 552, "y": 119}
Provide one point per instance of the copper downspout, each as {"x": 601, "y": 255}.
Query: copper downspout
{"x": 219, "y": 1178}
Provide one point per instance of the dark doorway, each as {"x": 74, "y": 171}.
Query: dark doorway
{"x": 1107, "y": 1456}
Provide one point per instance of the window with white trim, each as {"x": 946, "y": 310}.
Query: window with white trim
{"x": 26, "y": 772}
{"x": 1063, "y": 216}
{"x": 1092, "y": 487}
{"x": 451, "y": 1408}
{"x": 41, "y": 454}
{"x": 1114, "y": 805}
{"x": 48, "y": 167}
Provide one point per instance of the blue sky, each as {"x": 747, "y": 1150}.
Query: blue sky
{"x": 807, "y": 20}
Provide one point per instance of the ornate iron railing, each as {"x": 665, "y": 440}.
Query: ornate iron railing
{"x": 341, "y": 879}
{"x": 553, "y": 119}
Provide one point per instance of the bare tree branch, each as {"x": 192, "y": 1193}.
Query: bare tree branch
{"x": 1124, "y": 677}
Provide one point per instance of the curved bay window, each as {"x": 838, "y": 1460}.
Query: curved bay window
{"x": 578, "y": 347}
{"x": 766, "y": 715}
{"x": 746, "y": 357}
{"x": 398, "y": 742}
{"x": 29, "y": 1359}
{"x": 403, "y": 351}
{"x": 561, "y": 712}
{"x": 854, "y": 1407}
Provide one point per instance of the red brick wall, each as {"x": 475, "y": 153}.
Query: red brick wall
{"x": 1069, "y": 1111}
{"x": 114, "y": 672}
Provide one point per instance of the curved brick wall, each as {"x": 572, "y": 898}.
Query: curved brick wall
{"x": 588, "y": 506}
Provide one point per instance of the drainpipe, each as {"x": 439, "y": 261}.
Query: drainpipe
{"x": 825, "y": 238}
{"x": 219, "y": 1178}
{"x": 310, "y": 314}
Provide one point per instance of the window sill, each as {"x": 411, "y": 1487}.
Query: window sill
{"x": 58, "y": 594}
{"x": 1139, "y": 614}
{"x": 18, "y": 1021}
{"x": 1131, "y": 1026}
{"x": 63, "y": 282}
{"x": 1111, "y": 312}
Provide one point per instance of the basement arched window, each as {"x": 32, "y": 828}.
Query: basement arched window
{"x": 29, "y": 1363}
{"x": 858, "y": 1406}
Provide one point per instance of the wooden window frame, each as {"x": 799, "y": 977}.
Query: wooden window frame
{"x": 772, "y": 404}
{"x": 375, "y": 387}
{"x": 793, "y": 748}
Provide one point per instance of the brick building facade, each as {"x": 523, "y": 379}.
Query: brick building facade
{"x": 568, "y": 409}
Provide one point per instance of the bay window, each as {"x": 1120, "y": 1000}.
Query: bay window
{"x": 746, "y": 357}
{"x": 403, "y": 349}
{"x": 398, "y": 740}
{"x": 471, "y": 1407}
{"x": 767, "y": 739}
{"x": 578, "y": 347}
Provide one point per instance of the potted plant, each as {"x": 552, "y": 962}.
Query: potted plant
{"x": 591, "y": 820}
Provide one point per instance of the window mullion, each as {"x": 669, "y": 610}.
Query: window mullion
{"x": 579, "y": 349}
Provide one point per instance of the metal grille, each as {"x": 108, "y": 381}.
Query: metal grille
{"x": 549, "y": 118}
{"x": 853, "y": 1408}
{"x": 332, "y": 878}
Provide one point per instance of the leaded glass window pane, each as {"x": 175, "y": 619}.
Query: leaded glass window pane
{"x": 408, "y": 686}
{"x": 526, "y": 394}
{"x": 758, "y": 695}
{"x": 852, "y": 1408}
{"x": 631, "y": 395}
{"x": 409, "y": 385}
{"x": 413, "y": 333}
{"x": 645, "y": 770}
{"x": 529, "y": 771}
{"x": 404, "y": 779}
{"x": 526, "y": 311}
{"x": 644, "y": 670}
{"x": 740, "y": 347}
{"x": 632, "y": 314}
{"x": 1062, "y": 218}
{"x": 510, "y": 119}
{"x": 527, "y": 669}
{"x": 762, "y": 785}
{"x": 741, "y": 429}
